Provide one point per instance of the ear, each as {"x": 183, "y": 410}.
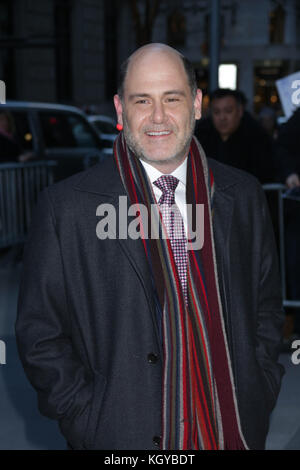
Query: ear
{"x": 198, "y": 104}
{"x": 119, "y": 109}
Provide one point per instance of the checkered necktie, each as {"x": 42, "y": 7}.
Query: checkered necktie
{"x": 174, "y": 225}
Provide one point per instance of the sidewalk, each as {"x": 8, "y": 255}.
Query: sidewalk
{"x": 21, "y": 425}
{"x": 284, "y": 431}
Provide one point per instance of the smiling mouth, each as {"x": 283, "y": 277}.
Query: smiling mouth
{"x": 158, "y": 133}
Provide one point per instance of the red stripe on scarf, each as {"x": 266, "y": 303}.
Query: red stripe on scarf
{"x": 200, "y": 352}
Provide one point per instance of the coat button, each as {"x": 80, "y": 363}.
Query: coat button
{"x": 152, "y": 358}
{"x": 156, "y": 441}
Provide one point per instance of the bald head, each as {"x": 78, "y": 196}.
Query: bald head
{"x": 145, "y": 54}
{"x": 150, "y": 50}
{"x": 157, "y": 107}
{"x": 153, "y": 48}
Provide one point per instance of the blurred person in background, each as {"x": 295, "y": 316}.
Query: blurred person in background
{"x": 288, "y": 152}
{"x": 267, "y": 118}
{"x": 288, "y": 148}
{"x": 10, "y": 150}
{"x": 232, "y": 136}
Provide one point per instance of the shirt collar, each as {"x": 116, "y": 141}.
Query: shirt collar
{"x": 154, "y": 174}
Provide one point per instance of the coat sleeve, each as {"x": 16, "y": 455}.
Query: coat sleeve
{"x": 65, "y": 388}
{"x": 270, "y": 311}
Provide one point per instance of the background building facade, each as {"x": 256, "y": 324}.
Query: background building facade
{"x": 69, "y": 51}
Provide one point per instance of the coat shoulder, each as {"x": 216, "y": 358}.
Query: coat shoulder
{"x": 96, "y": 179}
{"x": 226, "y": 176}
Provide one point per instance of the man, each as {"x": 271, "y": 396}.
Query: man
{"x": 232, "y": 136}
{"x": 146, "y": 342}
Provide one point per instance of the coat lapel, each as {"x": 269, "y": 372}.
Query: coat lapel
{"x": 104, "y": 180}
{"x": 223, "y": 204}
{"x": 222, "y": 219}
{"x": 223, "y": 209}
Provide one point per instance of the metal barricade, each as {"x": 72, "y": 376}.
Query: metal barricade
{"x": 281, "y": 190}
{"x": 20, "y": 184}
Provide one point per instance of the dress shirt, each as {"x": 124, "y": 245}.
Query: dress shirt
{"x": 180, "y": 191}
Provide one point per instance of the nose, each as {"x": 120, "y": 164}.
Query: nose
{"x": 158, "y": 113}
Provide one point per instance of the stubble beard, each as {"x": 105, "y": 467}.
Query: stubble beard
{"x": 178, "y": 155}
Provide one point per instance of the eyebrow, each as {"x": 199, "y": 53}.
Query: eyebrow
{"x": 147, "y": 95}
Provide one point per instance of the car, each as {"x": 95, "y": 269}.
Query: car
{"x": 56, "y": 132}
{"x": 106, "y": 127}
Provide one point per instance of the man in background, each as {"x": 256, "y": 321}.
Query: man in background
{"x": 232, "y": 136}
{"x": 288, "y": 153}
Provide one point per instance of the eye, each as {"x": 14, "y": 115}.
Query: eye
{"x": 142, "y": 101}
{"x": 172, "y": 100}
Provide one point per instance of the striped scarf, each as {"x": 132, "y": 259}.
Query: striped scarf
{"x": 199, "y": 406}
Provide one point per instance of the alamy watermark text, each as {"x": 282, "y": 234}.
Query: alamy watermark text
{"x": 133, "y": 222}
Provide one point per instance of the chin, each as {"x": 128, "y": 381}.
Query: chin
{"x": 162, "y": 159}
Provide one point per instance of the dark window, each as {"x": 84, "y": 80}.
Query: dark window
{"x": 176, "y": 28}
{"x": 276, "y": 25}
{"x": 111, "y": 48}
{"x": 66, "y": 130}
{"x": 7, "y": 51}
{"x": 62, "y": 23}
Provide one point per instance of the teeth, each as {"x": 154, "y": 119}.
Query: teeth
{"x": 159, "y": 133}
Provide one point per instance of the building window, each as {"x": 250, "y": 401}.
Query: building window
{"x": 111, "y": 48}
{"x": 62, "y": 20}
{"x": 176, "y": 29}
{"x": 7, "y": 55}
{"x": 266, "y": 73}
{"x": 228, "y": 76}
{"x": 276, "y": 25}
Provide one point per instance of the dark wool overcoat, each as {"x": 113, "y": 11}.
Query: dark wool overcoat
{"x": 87, "y": 328}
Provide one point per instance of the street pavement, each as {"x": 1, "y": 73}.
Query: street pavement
{"x": 23, "y": 428}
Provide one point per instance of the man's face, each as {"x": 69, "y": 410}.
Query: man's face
{"x": 226, "y": 115}
{"x": 158, "y": 111}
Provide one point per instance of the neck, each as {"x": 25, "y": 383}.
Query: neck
{"x": 224, "y": 137}
{"x": 166, "y": 167}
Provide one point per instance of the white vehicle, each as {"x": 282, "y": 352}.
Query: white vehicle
{"x": 56, "y": 132}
